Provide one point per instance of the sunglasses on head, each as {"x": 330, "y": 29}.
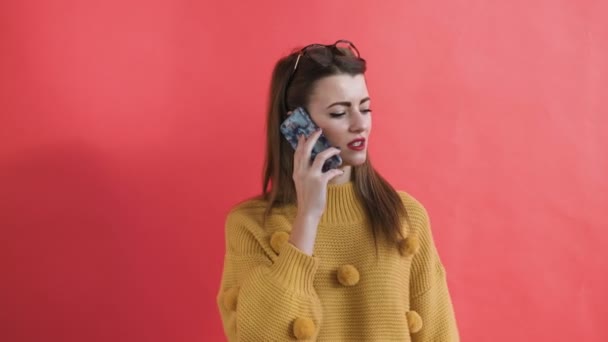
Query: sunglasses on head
{"x": 321, "y": 54}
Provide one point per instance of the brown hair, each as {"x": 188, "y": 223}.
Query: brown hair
{"x": 382, "y": 203}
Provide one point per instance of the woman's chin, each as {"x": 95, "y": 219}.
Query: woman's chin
{"x": 354, "y": 161}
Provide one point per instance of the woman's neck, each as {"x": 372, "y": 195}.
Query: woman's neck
{"x": 344, "y": 178}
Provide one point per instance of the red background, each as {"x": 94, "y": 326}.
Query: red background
{"x": 128, "y": 128}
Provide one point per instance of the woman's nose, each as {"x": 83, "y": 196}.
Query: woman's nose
{"x": 359, "y": 122}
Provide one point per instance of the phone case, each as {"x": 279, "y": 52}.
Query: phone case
{"x": 298, "y": 123}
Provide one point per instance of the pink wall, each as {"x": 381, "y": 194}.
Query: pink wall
{"x": 128, "y": 128}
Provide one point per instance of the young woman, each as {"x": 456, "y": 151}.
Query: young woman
{"x": 338, "y": 255}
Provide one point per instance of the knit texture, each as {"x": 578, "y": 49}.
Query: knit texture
{"x": 271, "y": 291}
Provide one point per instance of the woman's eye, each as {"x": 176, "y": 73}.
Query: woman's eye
{"x": 335, "y": 115}
{"x": 366, "y": 110}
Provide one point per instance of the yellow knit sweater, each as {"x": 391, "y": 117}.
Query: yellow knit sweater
{"x": 271, "y": 291}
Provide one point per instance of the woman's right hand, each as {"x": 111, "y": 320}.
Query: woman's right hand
{"x": 311, "y": 189}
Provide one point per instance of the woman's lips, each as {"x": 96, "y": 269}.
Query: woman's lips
{"x": 357, "y": 144}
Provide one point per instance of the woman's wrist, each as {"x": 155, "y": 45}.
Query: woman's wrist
{"x": 304, "y": 232}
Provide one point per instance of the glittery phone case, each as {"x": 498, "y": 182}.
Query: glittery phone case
{"x": 298, "y": 123}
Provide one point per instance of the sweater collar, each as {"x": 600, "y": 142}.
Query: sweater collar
{"x": 343, "y": 204}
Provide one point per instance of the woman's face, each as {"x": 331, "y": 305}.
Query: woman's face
{"x": 340, "y": 105}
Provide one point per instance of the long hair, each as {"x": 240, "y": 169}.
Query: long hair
{"x": 382, "y": 204}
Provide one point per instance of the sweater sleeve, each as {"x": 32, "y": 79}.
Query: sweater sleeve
{"x": 266, "y": 296}
{"x": 429, "y": 294}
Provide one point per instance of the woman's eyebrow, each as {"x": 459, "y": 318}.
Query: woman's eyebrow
{"x": 346, "y": 103}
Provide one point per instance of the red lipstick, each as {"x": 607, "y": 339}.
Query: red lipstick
{"x": 357, "y": 144}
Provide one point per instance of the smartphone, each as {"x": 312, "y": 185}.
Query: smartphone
{"x": 298, "y": 123}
